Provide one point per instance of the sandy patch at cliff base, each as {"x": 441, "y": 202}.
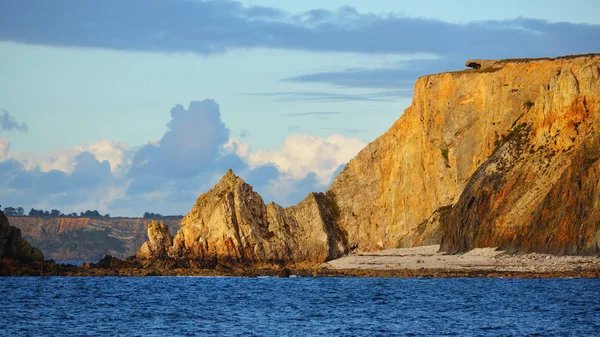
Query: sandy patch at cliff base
{"x": 428, "y": 257}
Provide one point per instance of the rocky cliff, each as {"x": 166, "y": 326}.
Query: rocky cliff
{"x": 12, "y": 246}
{"x": 401, "y": 185}
{"x": 62, "y": 238}
{"x": 539, "y": 190}
{"x": 504, "y": 154}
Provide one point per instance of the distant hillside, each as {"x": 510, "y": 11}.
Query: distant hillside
{"x": 67, "y": 238}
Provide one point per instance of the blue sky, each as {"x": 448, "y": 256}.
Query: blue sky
{"x": 282, "y": 87}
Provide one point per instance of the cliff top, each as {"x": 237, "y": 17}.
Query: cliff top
{"x": 489, "y": 66}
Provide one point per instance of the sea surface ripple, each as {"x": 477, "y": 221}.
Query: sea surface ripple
{"x": 327, "y": 306}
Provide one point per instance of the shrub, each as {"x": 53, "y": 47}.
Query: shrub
{"x": 445, "y": 152}
{"x": 516, "y": 129}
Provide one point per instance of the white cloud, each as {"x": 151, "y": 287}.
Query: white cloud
{"x": 237, "y": 147}
{"x": 117, "y": 154}
{"x": 302, "y": 154}
{"x": 167, "y": 176}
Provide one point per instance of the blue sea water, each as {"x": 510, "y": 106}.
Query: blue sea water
{"x": 228, "y": 306}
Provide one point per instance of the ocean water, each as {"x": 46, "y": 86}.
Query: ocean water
{"x": 228, "y": 306}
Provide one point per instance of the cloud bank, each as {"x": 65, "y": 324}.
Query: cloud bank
{"x": 219, "y": 26}
{"x": 167, "y": 175}
{"x": 206, "y": 27}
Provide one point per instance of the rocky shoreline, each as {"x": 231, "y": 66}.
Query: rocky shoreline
{"x": 74, "y": 271}
{"x": 362, "y": 265}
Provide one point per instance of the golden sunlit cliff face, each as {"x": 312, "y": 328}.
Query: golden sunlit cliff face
{"x": 421, "y": 166}
{"x": 503, "y": 155}
{"x": 540, "y": 190}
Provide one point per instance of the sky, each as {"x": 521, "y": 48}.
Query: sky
{"x": 141, "y": 105}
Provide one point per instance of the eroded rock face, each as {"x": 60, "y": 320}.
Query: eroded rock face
{"x": 455, "y": 123}
{"x": 540, "y": 190}
{"x": 13, "y": 246}
{"x": 231, "y": 225}
{"x": 158, "y": 244}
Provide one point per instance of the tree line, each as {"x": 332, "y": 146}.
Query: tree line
{"x": 148, "y": 215}
{"x": 20, "y": 211}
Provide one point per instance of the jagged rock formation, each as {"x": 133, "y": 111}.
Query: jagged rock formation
{"x": 158, "y": 244}
{"x": 81, "y": 239}
{"x": 231, "y": 225}
{"x": 503, "y": 155}
{"x": 12, "y": 246}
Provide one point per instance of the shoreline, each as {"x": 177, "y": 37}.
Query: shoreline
{"x": 423, "y": 261}
{"x": 325, "y": 272}
{"x": 478, "y": 259}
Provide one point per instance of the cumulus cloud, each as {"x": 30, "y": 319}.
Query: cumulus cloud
{"x": 302, "y": 154}
{"x": 303, "y": 164}
{"x": 54, "y": 188}
{"x": 191, "y": 144}
{"x": 8, "y": 122}
{"x": 167, "y": 175}
{"x": 118, "y": 155}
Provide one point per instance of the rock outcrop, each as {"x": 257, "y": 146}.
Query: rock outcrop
{"x": 231, "y": 225}
{"x": 12, "y": 246}
{"x": 501, "y": 155}
{"x": 158, "y": 244}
